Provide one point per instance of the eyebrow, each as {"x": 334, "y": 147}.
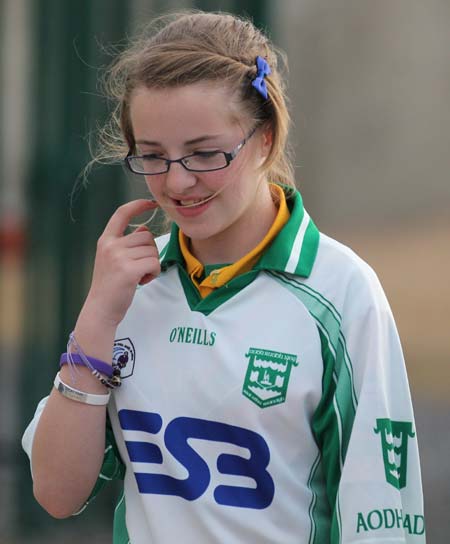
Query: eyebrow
{"x": 198, "y": 140}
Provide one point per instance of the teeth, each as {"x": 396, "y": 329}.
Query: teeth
{"x": 190, "y": 202}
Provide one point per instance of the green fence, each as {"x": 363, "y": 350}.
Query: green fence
{"x": 66, "y": 106}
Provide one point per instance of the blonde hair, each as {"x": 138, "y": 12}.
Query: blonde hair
{"x": 190, "y": 47}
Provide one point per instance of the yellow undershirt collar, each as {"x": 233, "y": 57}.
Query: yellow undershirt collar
{"x": 218, "y": 278}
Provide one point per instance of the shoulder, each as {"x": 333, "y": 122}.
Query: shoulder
{"x": 343, "y": 260}
{"x": 345, "y": 279}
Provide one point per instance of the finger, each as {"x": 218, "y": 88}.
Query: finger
{"x": 122, "y": 216}
{"x": 146, "y": 279}
{"x": 141, "y": 228}
{"x": 141, "y": 238}
{"x": 141, "y": 252}
{"x": 146, "y": 266}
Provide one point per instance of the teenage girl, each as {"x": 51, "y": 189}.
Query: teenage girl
{"x": 242, "y": 374}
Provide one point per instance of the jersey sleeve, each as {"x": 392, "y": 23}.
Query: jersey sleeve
{"x": 112, "y": 467}
{"x": 364, "y": 425}
{"x": 28, "y": 435}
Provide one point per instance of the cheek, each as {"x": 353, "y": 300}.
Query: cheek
{"x": 228, "y": 177}
{"x": 154, "y": 183}
{"x": 216, "y": 179}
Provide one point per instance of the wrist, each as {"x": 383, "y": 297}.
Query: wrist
{"x": 94, "y": 334}
{"x": 82, "y": 380}
{"x": 94, "y": 313}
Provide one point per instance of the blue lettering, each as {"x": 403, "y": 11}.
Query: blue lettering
{"x": 177, "y": 433}
{"x": 133, "y": 420}
{"x": 176, "y": 437}
{"x": 254, "y": 467}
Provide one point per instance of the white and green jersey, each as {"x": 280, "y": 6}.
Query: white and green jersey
{"x": 275, "y": 410}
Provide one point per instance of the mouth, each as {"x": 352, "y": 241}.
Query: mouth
{"x": 192, "y": 203}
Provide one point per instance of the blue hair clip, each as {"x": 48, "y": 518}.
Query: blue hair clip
{"x": 263, "y": 69}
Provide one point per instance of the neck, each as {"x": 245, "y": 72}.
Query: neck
{"x": 243, "y": 235}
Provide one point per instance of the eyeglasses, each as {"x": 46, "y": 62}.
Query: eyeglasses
{"x": 201, "y": 161}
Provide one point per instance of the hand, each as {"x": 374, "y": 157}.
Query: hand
{"x": 121, "y": 263}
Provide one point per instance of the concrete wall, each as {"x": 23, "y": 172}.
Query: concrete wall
{"x": 370, "y": 88}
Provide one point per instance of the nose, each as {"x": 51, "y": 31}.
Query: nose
{"x": 178, "y": 179}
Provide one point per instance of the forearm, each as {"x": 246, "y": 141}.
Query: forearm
{"x": 69, "y": 442}
{"x": 68, "y": 445}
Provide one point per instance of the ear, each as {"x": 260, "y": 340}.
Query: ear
{"x": 266, "y": 140}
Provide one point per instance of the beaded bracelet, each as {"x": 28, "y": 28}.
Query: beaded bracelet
{"x": 108, "y": 375}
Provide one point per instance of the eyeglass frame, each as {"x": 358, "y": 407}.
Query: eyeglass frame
{"x": 229, "y": 156}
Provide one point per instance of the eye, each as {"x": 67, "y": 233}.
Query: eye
{"x": 206, "y": 154}
{"x": 151, "y": 156}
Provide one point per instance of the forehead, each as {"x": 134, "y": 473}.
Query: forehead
{"x": 187, "y": 111}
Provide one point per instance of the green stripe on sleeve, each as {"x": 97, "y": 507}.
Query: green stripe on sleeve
{"x": 112, "y": 467}
{"x": 327, "y": 316}
{"x": 334, "y": 417}
{"x": 120, "y": 533}
{"x": 319, "y": 511}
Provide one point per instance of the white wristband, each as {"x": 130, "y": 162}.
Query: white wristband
{"x": 80, "y": 396}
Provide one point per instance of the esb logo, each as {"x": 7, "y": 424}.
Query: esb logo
{"x": 176, "y": 436}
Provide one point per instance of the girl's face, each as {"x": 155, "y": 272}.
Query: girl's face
{"x": 175, "y": 122}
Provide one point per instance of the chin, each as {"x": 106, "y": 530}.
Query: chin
{"x": 199, "y": 232}
{"x": 196, "y": 234}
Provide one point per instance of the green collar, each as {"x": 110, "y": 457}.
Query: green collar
{"x": 294, "y": 249}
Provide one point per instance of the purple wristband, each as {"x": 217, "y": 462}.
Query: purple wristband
{"x": 100, "y": 366}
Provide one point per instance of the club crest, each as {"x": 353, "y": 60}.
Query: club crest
{"x": 124, "y": 356}
{"x": 394, "y": 445}
{"x": 267, "y": 376}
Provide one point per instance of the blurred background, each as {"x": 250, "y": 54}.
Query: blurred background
{"x": 370, "y": 88}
